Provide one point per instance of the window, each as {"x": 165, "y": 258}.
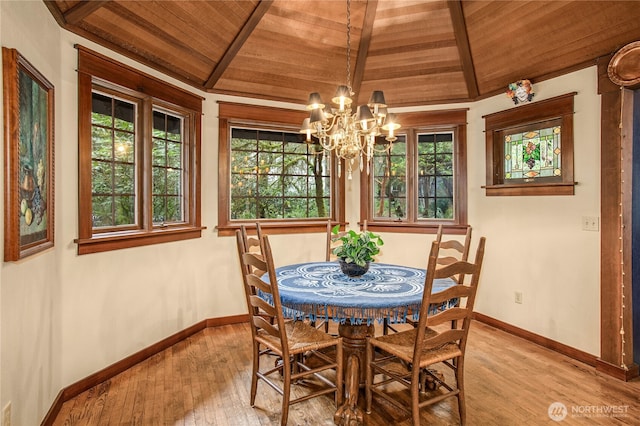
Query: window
{"x": 530, "y": 149}
{"x": 420, "y": 182}
{"x": 276, "y": 175}
{"x": 139, "y": 147}
{"x": 268, "y": 173}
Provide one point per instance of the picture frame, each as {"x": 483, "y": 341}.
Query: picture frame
{"x": 28, "y": 158}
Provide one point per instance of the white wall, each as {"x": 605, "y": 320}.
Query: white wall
{"x": 536, "y": 244}
{"x": 30, "y": 289}
{"x": 64, "y": 317}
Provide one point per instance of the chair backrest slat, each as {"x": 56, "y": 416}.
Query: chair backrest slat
{"x": 450, "y": 314}
{"x": 262, "y": 324}
{"x": 263, "y": 306}
{"x": 451, "y": 293}
{"x": 447, "y": 336}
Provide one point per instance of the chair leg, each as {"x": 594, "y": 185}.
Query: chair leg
{"x": 368, "y": 378}
{"x": 254, "y": 373}
{"x": 460, "y": 382}
{"x": 339, "y": 376}
{"x": 415, "y": 396}
{"x": 286, "y": 392}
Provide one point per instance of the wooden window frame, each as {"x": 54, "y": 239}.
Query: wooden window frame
{"x": 93, "y": 69}
{"x": 530, "y": 115}
{"x": 412, "y": 124}
{"x": 236, "y": 115}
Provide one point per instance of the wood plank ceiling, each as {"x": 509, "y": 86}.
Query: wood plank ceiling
{"x": 418, "y": 51}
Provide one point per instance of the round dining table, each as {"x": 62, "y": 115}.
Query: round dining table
{"x": 321, "y": 291}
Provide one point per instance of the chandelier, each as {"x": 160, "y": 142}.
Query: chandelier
{"x": 351, "y": 136}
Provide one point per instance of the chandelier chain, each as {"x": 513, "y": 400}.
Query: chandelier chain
{"x": 349, "y": 46}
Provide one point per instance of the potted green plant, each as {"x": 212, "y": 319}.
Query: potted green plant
{"x": 356, "y": 251}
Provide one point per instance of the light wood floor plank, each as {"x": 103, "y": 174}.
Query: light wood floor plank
{"x": 205, "y": 380}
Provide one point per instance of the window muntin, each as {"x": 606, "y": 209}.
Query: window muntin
{"x": 276, "y": 175}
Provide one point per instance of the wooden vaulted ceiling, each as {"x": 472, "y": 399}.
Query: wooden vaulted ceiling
{"x": 417, "y": 51}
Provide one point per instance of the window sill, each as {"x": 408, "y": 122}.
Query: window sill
{"x": 276, "y": 227}
{"x": 415, "y": 228}
{"x": 118, "y": 241}
{"x": 559, "y": 188}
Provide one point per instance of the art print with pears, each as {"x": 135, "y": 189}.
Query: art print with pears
{"x": 28, "y": 104}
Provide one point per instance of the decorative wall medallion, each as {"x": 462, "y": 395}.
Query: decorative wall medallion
{"x": 521, "y": 91}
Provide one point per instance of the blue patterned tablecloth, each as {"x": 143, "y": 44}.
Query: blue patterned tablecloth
{"x": 319, "y": 290}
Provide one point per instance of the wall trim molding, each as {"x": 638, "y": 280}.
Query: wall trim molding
{"x": 539, "y": 340}
{"x": 617, "y": 371}
{"x": 124, "y": 364}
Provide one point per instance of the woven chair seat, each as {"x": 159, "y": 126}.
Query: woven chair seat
{"x": 301, "y": 337}
{"x": 402, "y": 345}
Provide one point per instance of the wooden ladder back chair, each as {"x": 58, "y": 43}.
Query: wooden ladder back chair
{"x": 451, "y": 250}
{"x": 294, "y": 342}
{"x": 408, "y": 357}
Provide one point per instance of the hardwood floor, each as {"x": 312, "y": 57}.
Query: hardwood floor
{"x": 204, "y": 380}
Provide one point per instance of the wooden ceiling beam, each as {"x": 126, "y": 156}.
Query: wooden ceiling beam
{"x": 261, "y": 8}
{"x": 464, "y": 50}
{"x": 81, "y": 10}
{"x": 363, "y": 48}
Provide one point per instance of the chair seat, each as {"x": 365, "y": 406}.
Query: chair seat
{"x": 301, "y": 337}
{"x": 402, "y": 345}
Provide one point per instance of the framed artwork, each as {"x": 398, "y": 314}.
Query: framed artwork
{"x": 28, "y": 158}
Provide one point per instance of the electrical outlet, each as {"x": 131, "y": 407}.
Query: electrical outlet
{"x": 518, "y": 297}
{"x": 6, "y": 414}
{"x": 590, "y": 223}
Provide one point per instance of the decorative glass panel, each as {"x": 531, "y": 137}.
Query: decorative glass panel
{"x": 277, "y": 175}
{"x": 113, "y": 182}
{"x": 435, "y": 175}
{"x": 390, "y": 181}
{"x": 532, "y": 154}
{"x": 167, "y": 177}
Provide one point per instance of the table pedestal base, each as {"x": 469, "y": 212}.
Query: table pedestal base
{"x": 354, "y": 346}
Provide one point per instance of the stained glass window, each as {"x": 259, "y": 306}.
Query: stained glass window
{"x": 532, "y": 154}
{"x": 530, "y": 149}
